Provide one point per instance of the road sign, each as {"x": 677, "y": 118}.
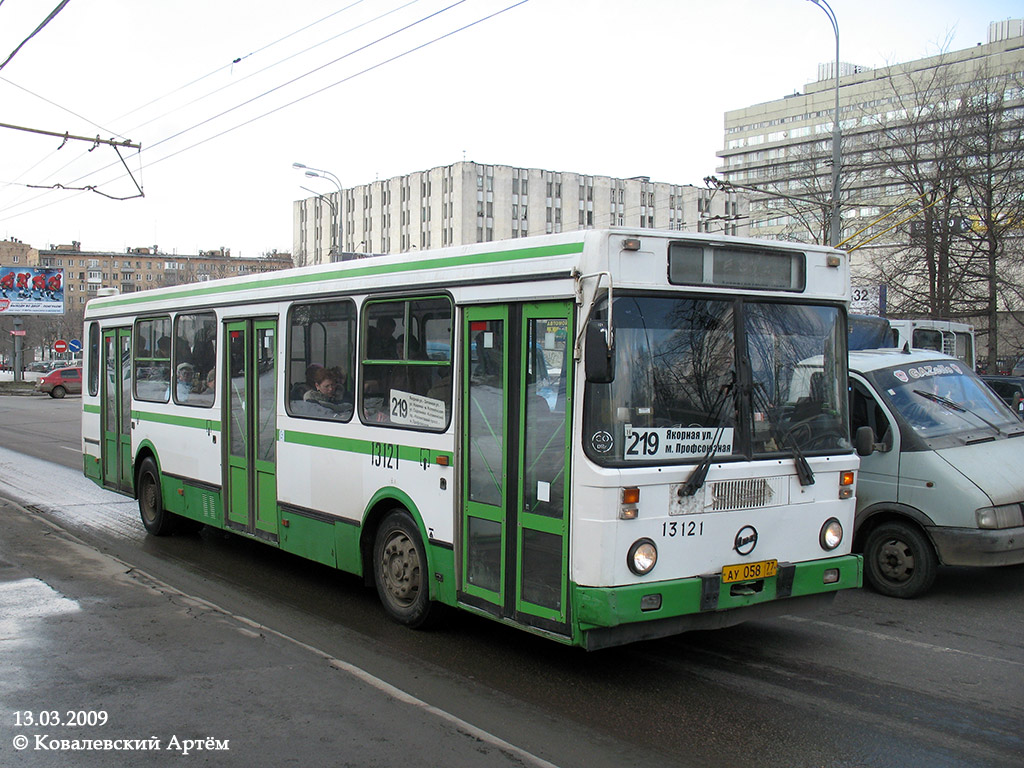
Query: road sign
{"x": 75, "y": 345}
{"x": 18, "y": 333}
{"x": 60, "y": 346}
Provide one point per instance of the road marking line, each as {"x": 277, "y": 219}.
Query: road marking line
{"x": 145, "y": 579}
{"x": 892, "y": 639}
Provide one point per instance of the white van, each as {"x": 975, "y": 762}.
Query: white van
{"x": 942, "y": 471}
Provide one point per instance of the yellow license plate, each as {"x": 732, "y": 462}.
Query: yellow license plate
{"x": 762, "y": 569}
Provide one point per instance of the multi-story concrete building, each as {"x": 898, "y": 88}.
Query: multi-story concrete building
{"x": 784, "y": 146}
{"x": 137, "y": 269}
{"x": 469, "y": 202}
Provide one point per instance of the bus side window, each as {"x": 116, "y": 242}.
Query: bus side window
{"x": 406, "y": 362}
{"x": 321, "y": 346}
{"x": 153, "y": 359}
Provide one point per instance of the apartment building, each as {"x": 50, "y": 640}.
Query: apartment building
{"x": 783, "y": 147}
{"x": 469, "y": 202}
{"x": 136, "y": 269}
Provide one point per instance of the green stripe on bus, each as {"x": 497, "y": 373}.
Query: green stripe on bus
{"x": 365, "y": 447}
{"x": 180, "y": 421}
{"x": 91, "y": 408}
{"x": 494, "y": 257}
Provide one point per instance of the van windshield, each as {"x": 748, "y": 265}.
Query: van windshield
{"x": 944, "y": 398}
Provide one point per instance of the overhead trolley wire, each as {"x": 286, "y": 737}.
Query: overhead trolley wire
{"x": 137, "y": 109}
{"x": 237, "y": 60}
{"x": 234, "y": 83}
{"x": 302, "y": 98}
{"x": 186, "y": 130}
{"x": 36, "y": 31}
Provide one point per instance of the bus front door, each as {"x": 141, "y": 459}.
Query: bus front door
{"x": 251, "y": 403}
{"x": 515, "y": 503}
{"x": 116, "y": 397}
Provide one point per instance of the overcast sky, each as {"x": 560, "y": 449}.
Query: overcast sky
{"x": 605, "y": 87}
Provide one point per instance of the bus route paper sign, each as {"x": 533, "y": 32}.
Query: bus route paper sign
{"x": 645, "y": 443}
{"x": 31, "y": 291}
{"x": 416, "y": 410}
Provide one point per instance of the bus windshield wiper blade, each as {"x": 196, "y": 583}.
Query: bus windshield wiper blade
{"x": 803, "y": 467}
{"x": 700, "y": 472}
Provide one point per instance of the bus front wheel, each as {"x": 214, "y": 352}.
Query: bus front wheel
{"x": 157, "y": 520}
{"x": 899, "y": 561}
{"x": 400, "y": 570}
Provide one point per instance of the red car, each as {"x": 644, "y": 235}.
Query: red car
{"x": 60, "y": 382}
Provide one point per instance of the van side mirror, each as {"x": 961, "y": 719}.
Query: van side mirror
{"x": 864, "y": 441}
{"x": 599, "y": 363}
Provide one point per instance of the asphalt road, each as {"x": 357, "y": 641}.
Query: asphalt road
{"x": 938, "y": 681}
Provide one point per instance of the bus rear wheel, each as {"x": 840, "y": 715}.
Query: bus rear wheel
{"x": 157, "y": 520}
{"x": 400, "y": 570}
{"x": 899, "y": 561}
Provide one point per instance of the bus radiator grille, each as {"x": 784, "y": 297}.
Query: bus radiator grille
{"x": 746, "y": 494}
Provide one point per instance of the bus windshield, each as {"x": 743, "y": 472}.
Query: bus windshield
{"x": 683, "y": 389}
{"x": 944, "y": 403}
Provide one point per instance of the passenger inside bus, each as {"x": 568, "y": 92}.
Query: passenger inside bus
{"x": 328, "y": 393}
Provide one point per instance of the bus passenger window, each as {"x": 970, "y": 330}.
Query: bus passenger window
{"x": 320, "y": 374}
{"x": 153, "y": 359}
{"x": 406, "y": 363}
{"x": 195, "y": 359}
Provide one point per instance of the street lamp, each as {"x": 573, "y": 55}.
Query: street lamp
{"x": 317, "y": 173}
{"x": 330, "y": 204}
{"x": 834, "y": 234}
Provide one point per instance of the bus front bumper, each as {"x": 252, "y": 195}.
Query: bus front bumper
{"x": 607, "y": 616}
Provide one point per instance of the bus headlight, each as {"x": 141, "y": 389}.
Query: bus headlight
{"x": 642, "y": 557}
{"x": 831, "y": 535}
{"x": 1005, "y": 516}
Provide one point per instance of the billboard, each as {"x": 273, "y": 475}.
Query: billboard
{"x": 31, "y": 291}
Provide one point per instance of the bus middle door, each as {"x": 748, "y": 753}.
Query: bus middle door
{"x": 251, "y": 423}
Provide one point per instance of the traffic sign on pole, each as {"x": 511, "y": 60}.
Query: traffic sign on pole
{"x": 75, "y": 345}
{"x": 60, "y": 345}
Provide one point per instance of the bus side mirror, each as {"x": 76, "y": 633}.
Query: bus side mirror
{"x": 864, "y": 441}
{"x": 597, "y": 352}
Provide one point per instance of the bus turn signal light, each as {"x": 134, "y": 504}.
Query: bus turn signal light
{"x": 628, "y": 509}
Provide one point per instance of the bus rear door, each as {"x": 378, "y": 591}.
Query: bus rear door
{"x": 116, "y": 398}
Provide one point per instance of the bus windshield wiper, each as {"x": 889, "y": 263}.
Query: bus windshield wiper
{"x": 955, "y": 407}
{"x": 803, "y": 467}
{"x": 700, "y": 472}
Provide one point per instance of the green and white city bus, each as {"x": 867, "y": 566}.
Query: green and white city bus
{"x": 597, "y": 436}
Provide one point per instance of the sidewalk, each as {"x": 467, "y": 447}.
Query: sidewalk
{"x": 103, "y": 665}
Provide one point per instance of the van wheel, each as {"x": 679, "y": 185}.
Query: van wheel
{"x": 157, "y": 520}
{"x": 400, "y": 570}
{"x": 899, "y": 561}
{"x": 57, "y": 392}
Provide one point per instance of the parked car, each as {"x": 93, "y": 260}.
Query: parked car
{"x": 63, "y": 381}
{"x": 1010, "y": 390}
